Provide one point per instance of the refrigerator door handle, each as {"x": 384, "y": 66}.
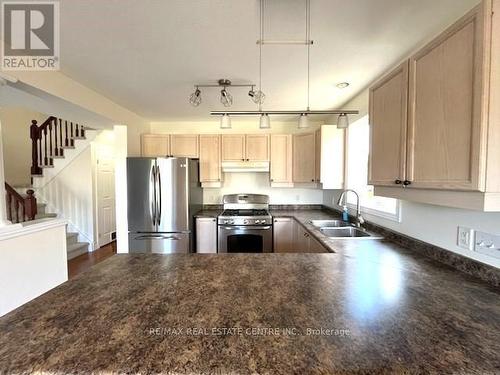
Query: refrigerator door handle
{"x": 157, "y": 237}
{"x": 159, "y": 194}
{"x": 152, "y": 194}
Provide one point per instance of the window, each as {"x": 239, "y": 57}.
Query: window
{"x": 358, "y": 138}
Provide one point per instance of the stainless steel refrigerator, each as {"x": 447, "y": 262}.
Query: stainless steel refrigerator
{"x": 163, "y": 196}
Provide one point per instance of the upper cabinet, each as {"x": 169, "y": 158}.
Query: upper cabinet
{"x": 184, "y": 145}
{"x": 304, "y": 158}
{"x": 281, "y": 160}
{"x": 251, "y": 147}
{"x": 155, "y": 145}
{"x": 233, "y": 147}
{"x": 445, "y": 119}
{"x": 434, "y": 120}
{"x": 388, "y": 127}
{"x": 257, "y": 147}
{"x": 210, "y": 159}
{"x": 158, "y": 145}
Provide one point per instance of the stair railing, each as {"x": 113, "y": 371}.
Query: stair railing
{"x": 49, "y": 140}
{"x": 20, "y": 208}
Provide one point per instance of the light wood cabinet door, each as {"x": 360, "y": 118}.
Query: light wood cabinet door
{"x": 303, "y": 240}
{"x": 317, "y": 161}
{"x": 257, "y": 147}
{"x": 210, "y": 158}
{"x": 445, "y": 120}
{"x": 388, "y": 128}
{"x": 155, "y": 145}
{"x": 184, "y": 145}
{"x": 281, "y": 158}
{"x": 233, "y": 147}
{"x": 283, "y": 235}
{"x": 304, "y": 158}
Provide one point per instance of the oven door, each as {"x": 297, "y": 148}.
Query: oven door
{"x": 245, "y": 239}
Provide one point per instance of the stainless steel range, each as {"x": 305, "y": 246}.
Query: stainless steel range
{"x": 245, "y": 225}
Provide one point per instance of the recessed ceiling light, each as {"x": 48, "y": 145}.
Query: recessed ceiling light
{"x": 343, "y": 85}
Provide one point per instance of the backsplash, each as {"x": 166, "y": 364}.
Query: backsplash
{"x": 258, "y": 183}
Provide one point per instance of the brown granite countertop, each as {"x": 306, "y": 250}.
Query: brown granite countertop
{"x": 370, "y": 307}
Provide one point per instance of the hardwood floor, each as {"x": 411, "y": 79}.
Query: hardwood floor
{"x": 85, "y": 261}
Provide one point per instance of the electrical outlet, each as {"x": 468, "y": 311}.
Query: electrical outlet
{"x": 488, "y": 244}
{"x": 465, "y": 238}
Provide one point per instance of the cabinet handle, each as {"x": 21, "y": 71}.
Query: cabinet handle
{"x": 313, "y": 180}
{"x": 398, "y": 182}
{"x": 406, "y": 182}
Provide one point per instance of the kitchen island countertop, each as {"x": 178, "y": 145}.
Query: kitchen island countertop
{"x": 371, "y": 308}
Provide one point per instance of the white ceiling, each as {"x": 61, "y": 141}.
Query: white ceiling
{"x": 147, "y": 54}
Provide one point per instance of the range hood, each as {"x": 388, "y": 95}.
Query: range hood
{"x": 245, "y": 166}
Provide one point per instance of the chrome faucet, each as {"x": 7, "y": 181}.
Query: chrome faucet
{"x": 342, "y": 202}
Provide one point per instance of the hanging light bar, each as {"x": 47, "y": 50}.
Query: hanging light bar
{"x": 281, "y": 113}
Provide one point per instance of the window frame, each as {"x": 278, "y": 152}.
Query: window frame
{"x": 396, "y": 217}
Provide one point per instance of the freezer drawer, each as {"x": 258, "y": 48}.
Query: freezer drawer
{"x": 159, "y": 243}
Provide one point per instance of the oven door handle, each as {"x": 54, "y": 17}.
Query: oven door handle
{"x": 242, "y": 227}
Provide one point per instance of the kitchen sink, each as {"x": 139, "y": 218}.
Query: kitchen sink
{"x": 347, "y": 232}
{"x": 330, "y": 223}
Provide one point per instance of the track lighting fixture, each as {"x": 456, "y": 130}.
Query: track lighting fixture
{"x": 258, "y": 97}
{"x": 343, "y": 121}
{"x": 265, "y": 122}
{"x": 303, "y": 121}
{"x": 226, "y": 98}
{"x": 225, "y": 122}
{"x": 195, "y": 98}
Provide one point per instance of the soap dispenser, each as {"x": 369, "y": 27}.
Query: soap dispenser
{"x": 345, "y": 213}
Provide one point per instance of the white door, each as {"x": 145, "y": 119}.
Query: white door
{"x": 106, "y": 219}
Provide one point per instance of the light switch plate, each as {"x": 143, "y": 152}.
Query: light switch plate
{"x": 465, "y": 238}
{"x": 488, "y": 244}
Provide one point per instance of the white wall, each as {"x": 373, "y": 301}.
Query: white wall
{"x": 32, "y": 261}
{"x": 433, "y": 224}
{"x": 70, "y": 195}
{"x": 258, "y": 183}
{"x": 16, "y": 141}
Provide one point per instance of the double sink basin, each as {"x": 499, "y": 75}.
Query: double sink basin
{"x": 342, "y": 230}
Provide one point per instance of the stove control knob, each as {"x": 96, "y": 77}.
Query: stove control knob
{"x": 257, "y": 221}
{"x": 231, "y": 221}
{"x": 245, "y": 221}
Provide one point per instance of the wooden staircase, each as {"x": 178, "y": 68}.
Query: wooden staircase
{"x": 49, "y": 141}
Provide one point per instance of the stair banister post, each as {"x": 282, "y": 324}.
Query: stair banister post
{"x": 30, "y": 204}
{"x": 34, "y": 135}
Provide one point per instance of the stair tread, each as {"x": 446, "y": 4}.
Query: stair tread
{"x": 77, "y": 245}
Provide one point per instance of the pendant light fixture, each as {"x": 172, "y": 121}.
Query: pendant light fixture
{"x": 343, "y": 121}
{"x": 265, "y": 122}
{"x": 258, "y": 97}
{"x": 225, "y": 122}
{"x": 303, "y": 119}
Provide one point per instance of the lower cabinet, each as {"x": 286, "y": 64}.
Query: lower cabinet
{"x": 206, "y": 235}
{"x": 291, "y": 237}
{"x": 283, "y": 234}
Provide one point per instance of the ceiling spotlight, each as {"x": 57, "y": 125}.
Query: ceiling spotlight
{"x": 343, "y": 85}
{"x": 343, "y": 121}
{"x": 195, "y": 98}
{"x": 226, "y": 98}
{"x": 225, "y": 122}
{"x": 303, "y": 121}
{"x": 265, "y": 122}
{"x": 258, "y": 97}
